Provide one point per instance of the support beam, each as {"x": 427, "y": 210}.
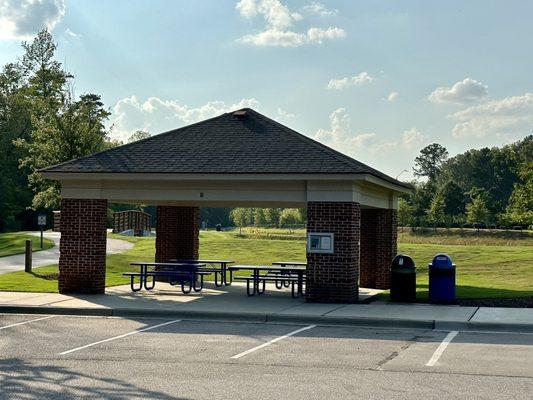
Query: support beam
{"x": 82, "y": 246}
{"x": 378, "y": 247}
{"x": 332, "y": 278}
{"x": 177, "y": 233}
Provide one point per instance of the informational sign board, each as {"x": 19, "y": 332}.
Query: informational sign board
{"x": 41, "y": 220}
{"x": 320, "y": 243}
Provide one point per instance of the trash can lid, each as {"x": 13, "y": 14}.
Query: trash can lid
{"x": 403, "y": 261}
{"x": 442, "y": 260}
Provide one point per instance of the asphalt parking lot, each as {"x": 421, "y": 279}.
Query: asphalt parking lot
{"x": 119, "y": 358}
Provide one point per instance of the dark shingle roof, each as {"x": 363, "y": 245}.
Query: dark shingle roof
{"x": 227, "y": 144}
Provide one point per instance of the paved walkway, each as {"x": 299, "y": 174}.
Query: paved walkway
{"x": 275, "y": 306}
{"x": 51, "y": 256}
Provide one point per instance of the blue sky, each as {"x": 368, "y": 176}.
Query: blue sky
{"x": 377, "y": 80}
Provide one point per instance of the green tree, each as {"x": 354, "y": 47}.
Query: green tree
{"x": 139, "y": 135}
{"x": 520, "y": 207}
{"x": 46, "y": 79}
{"x": 436, "y": 209}
{"x": 259, "y": 217}
{"x": 476, "y": 210}
{"x": 430, "y": 161}
{"x": 74, "y": 130}
{"x": 454, "y": 198}
{"x": 405, "y": 213}
{"x": 272, "y": 216}
{"x": 241, "y": 218}
{"x": 290, "y": 217}
{"x": 62, "y": 128}
{"x": 15, "y": 122}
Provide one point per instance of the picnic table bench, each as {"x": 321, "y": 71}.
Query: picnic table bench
{"x": 285, "y": 283}
{"x": 176, "y": 273}
{"x": 256, "y": 283}
{"x": 221, "y": 270}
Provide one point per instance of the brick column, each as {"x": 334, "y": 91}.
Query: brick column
{"x": 378, "y": 247}
{"x": 332, "y": 278}
{"x": 177, "y": 233}
{"x": 82, "y": 246}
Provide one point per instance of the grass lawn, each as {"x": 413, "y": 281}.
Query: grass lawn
{"x": 15, "y": 243}
{"x": 501, "y": 269}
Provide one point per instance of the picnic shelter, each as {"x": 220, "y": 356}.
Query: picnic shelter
{"x": 237, "y": 159}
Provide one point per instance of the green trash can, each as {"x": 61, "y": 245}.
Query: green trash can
{"x": 403, "y": 279}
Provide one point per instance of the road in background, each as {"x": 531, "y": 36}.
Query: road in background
{"x": 51, "y": 256}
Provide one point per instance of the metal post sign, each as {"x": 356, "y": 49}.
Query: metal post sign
{"x": 41, "y": 219}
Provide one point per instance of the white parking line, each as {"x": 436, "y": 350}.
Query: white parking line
{"x": 120, "y": 336}
{"x": 27, "y": 322}
{"x": 272, "y": 341}
{"x": 435, "y": 357}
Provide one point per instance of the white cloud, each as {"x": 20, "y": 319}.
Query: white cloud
{"x": 319, "y": 9}
{"x": 466, "y": 91}
{"x": 71, "y": 35}
{"x": 338, "y": 134}
{"x": 508, "y": 117}
{"x": 276, "y": 15}
{"x": 279, "y": 20}
{"x": 391, "y": 156}
{"x": 156, "y": 115}
{"x": 283, "y": 116}
{"x": 344, "y": 83}
{"x": 413, "y": 139}
{"x": 275, "y": 38}
{"x": 318, "y": 35}
{"x": 21, "y": 19}
{"x": 393, "y": 96}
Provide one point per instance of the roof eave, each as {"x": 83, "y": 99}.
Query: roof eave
{"x": 125, "y": 176}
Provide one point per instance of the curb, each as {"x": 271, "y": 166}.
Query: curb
{"x": 473, "y": 326}
{"x": 353, "y": 321}
{"x": 393, "y": 323}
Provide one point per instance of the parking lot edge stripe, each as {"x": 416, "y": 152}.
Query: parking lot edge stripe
{"x": 120, "y": 336}
{"x": 436, "y": 355}
{"x": 237, "y": 356}
{"x": 27, "y": 322}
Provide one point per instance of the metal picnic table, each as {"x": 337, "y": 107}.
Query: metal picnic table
{"x": 223, "y": 269}
{"x": 285, "y": 264}
{"x": 290, "y": 263}
{"x": 298, "y": 270}
{"x": 175, "y": 267}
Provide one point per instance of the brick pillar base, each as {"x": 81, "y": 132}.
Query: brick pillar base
{"x": 378, "y": 247}
{"x": 332, "y": 278}
{"x": 82, "y": 246}
{"x": 177, "y": 233}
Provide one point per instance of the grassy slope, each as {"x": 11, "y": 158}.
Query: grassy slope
{"x": 483, "y": 271}
{"x": 14, "y": 243}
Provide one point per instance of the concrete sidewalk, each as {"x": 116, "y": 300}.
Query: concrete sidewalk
{"x": 50, "y": 256}
{"x": 231, "y": 303}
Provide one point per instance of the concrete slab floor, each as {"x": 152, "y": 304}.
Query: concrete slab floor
{"x": 222, "y": 299}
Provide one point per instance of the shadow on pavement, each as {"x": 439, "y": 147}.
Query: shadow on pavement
{"x": 23, "y": 380}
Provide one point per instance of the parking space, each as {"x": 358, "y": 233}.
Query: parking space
{"x": 160, "y": 358}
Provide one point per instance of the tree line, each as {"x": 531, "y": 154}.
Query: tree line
{"x": 43, "y": 122}
{"x": 488, "y": 187}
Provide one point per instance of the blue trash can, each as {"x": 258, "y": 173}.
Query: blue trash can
{"x": 442, "y": 279}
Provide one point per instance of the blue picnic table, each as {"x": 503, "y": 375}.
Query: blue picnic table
{"x": 176, "y": 272}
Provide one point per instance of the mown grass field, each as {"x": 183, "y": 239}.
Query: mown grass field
{"x": 501, "y": 268}
{"x": 15, "y": 243}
